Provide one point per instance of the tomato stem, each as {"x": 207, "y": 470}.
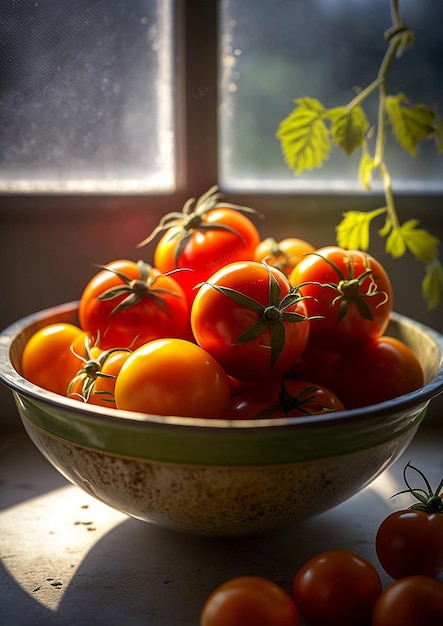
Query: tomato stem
{"x": 349, "y": 289}
{"x": 273, "y": 315}
{"x": 138, "y": 288}
{"x": 288, "y": 402}
{"x": 191, "y": 218}
{"x": 429, "y": 501}
{"x": 91, "y": 370}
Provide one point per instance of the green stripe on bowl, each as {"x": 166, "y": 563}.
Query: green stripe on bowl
{"x": 248, "y": 446}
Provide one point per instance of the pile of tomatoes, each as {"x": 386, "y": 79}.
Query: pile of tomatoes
{"x": 226, "y": 323}
{"x": 340, "y": 588}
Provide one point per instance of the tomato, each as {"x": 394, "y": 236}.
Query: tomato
{"x": 285, "y": 254}
{"x": 410, "y": 601}
{"x": 47, "y": 359}
{"x": 203, "y": 239}
{"x": 173, "y": 377}
{"x": 94, "y": 383}
{"x": 129, "y": 303}
{"x": 286, "y": 397}
{"x": 249, "y": 601}
{"x": 249, "y": 319}
{"x": 410, "y": 542}
{"x": 379, "y": 371}
{"x": 350, "y": 291}
{"x": 315, "y": 364}
{"x": 337, "y": 588}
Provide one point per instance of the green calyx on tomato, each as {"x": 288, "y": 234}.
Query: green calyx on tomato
{"x": 274, "y": 315}
{"x": 137, "y": 289}
{"x": 87, "y": 375}
{"x": 349, "y": 290}
{"x": 288, "y": 402}
{"x": 190, "y": 219}
{"x": 428, "y": 501}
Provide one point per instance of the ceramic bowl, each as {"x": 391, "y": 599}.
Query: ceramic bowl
{"x": 218, "y": 477}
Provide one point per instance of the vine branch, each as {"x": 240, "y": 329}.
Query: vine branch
{"x": 309, "y": 133}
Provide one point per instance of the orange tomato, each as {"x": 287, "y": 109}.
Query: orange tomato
{"x": 173, "y": 377}
{"x": 284, "y": 254}
{"x": 47, "y": 359}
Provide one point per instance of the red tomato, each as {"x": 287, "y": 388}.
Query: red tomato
{"x": 410, "y": 601}
{"x": 289, "y": 397}
{"x": 203, "y": 239}
{"x": 315, "y": 364}
{"x": 249, "y": 601}
{"x": 173, "y": 377}
{"x": 410, "y": 542}
{"x": 47, "y": 359}
{"x": 94, "y": 383}
{"x": 285, "y": 254}
{"x": 350, "y": 291}
{"x": 128, "y": 304}
{"x": 337, "y": 588}
{"x": 379, "y": 371}
{"x": 251, "y": 322}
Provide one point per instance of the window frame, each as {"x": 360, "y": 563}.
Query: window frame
{"x": 196, "y": 118}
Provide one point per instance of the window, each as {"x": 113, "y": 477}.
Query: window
{"x": 91, "y": 100}
{"x": 86, "y": 96}
{"x": 274, "y": 52}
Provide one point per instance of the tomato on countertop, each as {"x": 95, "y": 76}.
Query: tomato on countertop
{"x": 337, "y": 588}
{"x": 410, "y": 601}
{"x": 249, "y": 601}
{"x": 410, "y": 542}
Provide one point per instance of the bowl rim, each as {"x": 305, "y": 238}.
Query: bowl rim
{"x": 12, "y": 379}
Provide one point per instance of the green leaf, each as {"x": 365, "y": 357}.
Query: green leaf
{"x": 365, "y": 168}
{"x": 353, "y": 230}
{"x": 432, "y": 284}
{"x": 395, "y": 244}
{"x": 418, "y": 241}
{"x": 304, "y": 137}
{"x": 410, "y": 124}
{"x": 348, "y": 127}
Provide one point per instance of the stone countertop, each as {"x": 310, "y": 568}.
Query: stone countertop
{"x": 70, "y": 560}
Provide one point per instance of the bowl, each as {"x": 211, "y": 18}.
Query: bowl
{"x": 218, "y": 477}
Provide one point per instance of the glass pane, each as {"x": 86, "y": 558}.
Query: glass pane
{"x": 86, "y": 96}
{"x": 275, "y": 52}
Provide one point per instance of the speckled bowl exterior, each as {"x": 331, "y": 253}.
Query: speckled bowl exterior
{"x": 218, "y": 477}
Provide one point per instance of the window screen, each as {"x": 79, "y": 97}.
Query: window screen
{"x": 275, "y": 52}
{"x": 86, "y": 96}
